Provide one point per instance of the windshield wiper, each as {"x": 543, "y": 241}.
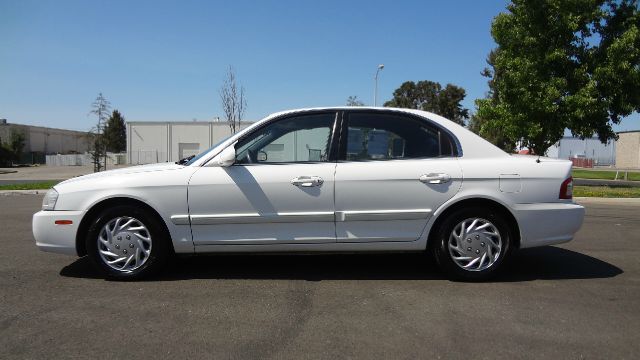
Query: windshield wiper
{"x": 185, "y": 160}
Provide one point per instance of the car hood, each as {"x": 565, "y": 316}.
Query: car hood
{"x": 127, "y": 170}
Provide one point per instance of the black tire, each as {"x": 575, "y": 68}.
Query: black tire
{"x": 443, "y": 256}
{"x": 160, "y": 248}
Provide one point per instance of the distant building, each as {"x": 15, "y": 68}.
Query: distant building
{"x": 628, "y": 150}
{"x": 40, "y": 141}
{"x": 152, "y": 141}
{"x": 591, "y": 148}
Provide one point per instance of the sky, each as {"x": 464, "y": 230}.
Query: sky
{"x": 166, "y": 60}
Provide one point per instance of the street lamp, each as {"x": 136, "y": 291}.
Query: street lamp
{"x": 375, "y": 91}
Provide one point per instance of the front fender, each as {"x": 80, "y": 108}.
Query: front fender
{"x": 165, "y": 192}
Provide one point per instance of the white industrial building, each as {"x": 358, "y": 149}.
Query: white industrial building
{"x": 628, "y": 150}
{"x": 40, "y": 141}
{"x": 591, "y": 148}
{"x": 152, "y": 141}
{"x": 45, "y": 139}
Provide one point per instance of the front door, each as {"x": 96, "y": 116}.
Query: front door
{"x": 394, "y": 172}
{"x": 279, "y": 191}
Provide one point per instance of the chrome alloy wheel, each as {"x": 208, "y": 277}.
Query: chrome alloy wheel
{"x": 475, "y": 244}
{"x": 124, "y": 244}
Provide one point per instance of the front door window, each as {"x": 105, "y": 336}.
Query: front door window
{"x": 304, "y": 138}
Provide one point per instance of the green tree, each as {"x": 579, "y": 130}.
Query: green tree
{"x": 10, "y": 151}
{"x": 477, "y": 124}
{"x": 16, "y": 144}
{"x": 494, "y": 135}
{"x": 354, "y": 101}
{"x": 431, "y": 96}
{"x": 5, "y": 155}
{"x": 115, "y": 133}
{"x": 562, "y": 64}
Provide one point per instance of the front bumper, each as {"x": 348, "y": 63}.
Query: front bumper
{"x": 548, "y": 223}
{"x": 52, "y": 237}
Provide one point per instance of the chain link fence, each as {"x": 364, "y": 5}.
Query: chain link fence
{"x": 141, "y": 157}
{"x": 84, "y": 159}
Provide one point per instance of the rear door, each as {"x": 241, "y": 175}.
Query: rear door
{"x": 394, "y": 171}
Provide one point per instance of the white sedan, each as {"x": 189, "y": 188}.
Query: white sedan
{"x": 342, "y": 179}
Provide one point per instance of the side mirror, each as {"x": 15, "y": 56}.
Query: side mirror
{"x": 227, "y": 157}
{"x": 262, "y": 156}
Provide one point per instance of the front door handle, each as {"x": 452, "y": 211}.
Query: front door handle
{"x": 307, "y": 181}
{"x": 433, "y": 178}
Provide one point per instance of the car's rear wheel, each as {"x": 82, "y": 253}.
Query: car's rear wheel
{"x": 127, "y": 242}
{"x": 472, "y": 244}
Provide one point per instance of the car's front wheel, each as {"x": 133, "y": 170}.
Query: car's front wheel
{"x": 471, "y": 244}
{"x": 127, "y": 242}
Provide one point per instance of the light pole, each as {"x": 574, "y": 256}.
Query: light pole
{"x": 375, "y": 90}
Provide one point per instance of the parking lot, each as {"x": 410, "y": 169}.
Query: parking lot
{"x": 580, "y": 300}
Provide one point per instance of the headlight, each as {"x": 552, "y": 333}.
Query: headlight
{"x": 49, "y": 201}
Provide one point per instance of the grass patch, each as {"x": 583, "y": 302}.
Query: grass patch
{"x": 29, "y": 186}
{"x": 603, "y": 174}
{"x": 607, "y": 191}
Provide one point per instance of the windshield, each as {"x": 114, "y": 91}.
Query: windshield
{"x": 197, "y": 157}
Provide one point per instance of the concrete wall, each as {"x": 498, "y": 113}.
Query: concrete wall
{"x": 628, "y": 150}
{"x": 47, "y": 140}
{"x": 147, "y": 143}
{"x": 189, "y": 139}
{"x": 150, "y": 142}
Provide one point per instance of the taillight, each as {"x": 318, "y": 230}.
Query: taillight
{"x": 566, "y": 189}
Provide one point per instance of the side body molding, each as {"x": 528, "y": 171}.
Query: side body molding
{"x": 341, "y": 216}
{"x": 255, "y": 218}
{"x": 383, "y": 215}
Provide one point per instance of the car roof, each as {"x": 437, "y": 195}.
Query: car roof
{"x": 348, "y": 108}
{"x": 431, "y": 116}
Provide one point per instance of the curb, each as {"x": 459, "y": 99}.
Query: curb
{"x": 603, "y": 200}
{"x": 602, "y": 182}
{"x": 23, "y": 192}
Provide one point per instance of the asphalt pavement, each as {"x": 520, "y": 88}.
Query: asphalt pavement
{"x": 579, "y": 300}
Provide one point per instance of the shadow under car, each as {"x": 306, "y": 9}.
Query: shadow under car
{"x": 547, "y": 263}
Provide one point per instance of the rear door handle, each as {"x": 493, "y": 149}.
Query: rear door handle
{"x": 434, "y": 178}
{"x": 307, "y": 181}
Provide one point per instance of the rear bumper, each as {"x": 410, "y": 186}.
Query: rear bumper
{"x": 548, "y": 223}
{"x": 55, "y": 238}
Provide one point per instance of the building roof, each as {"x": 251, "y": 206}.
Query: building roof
{"x": 214, "y": 122}
{"x": 42, "y": 128}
